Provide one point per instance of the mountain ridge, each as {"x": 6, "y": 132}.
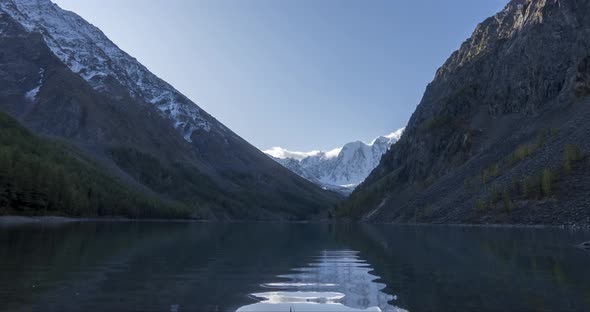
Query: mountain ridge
{"x": 340, "y": 169}
{"x": 500, "y": 130}
{"x": 98, "y": 59}
{"x": 63, "y": 78}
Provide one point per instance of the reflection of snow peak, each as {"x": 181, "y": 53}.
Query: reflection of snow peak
{"x": 336, "y": 281}
{"x": 299, "y": 296}
{"x": 307, "y": 307}
{"x": 290, "y": 285}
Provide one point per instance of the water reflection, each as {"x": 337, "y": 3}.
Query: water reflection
{"x": 335, "y": 281}
{"x": 184, "y": 267}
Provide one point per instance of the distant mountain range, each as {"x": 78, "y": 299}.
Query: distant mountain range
{"x": 340, "y": 169}
{"x": 62, "y": 77}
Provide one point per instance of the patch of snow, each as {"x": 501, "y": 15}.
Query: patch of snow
{"x": 32, "y": 94}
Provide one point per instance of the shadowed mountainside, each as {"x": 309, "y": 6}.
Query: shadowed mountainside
{"x": 61, "y": 77}
{"x": 42, "y": 176}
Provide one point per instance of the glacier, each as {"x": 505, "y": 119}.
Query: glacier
{"x": 341, "y": 169}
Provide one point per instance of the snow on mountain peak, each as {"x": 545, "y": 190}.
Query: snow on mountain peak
{"x": 396, "y": 135}
{"x": 90, "y": 54}
{"x": 281, "y": 153}
{"x": 333, "y": 153}
{"x": 340, "y": 169}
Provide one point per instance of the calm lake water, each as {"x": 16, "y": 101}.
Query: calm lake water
{"x": 126, "y": 266}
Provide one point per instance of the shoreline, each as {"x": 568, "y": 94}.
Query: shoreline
{"x": 508, "y": 225}
{"x": 17, "y": 220}
{"x": 4, "y": 220}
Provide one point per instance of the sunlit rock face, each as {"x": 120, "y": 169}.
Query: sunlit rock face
{"x": 522, "y": 79}
{"x": 336, "y": 281}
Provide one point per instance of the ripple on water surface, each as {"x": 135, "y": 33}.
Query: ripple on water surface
{"x": 335, "y": 281}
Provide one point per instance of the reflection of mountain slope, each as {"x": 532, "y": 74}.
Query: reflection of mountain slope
{"x": 119, "y": 266}
{"x": 433, "y": 268}
{"x": 335, "y": 281}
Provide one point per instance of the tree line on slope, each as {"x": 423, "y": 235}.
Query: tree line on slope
{"x": 39, "y": 176}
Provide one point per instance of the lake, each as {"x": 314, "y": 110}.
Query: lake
{"x": 177, "y": 266}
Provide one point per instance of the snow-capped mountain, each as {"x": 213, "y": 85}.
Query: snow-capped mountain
{"x": 62, "y": 77}
{"x": 340, "y": 169}
{"x": 89, "y": 53}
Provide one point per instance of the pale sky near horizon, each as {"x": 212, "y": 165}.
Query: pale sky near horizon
{"x": 300, "y": 74}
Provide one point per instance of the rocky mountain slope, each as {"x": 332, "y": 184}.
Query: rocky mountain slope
{"x": 501, "y": 134}
{"x": 340, "y": 169}
{"x": 62, "y": 77}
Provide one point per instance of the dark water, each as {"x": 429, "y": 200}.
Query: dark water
{"x": 290, "y": 267}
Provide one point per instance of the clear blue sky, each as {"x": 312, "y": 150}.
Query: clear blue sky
{"x": 300, "y": 74}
